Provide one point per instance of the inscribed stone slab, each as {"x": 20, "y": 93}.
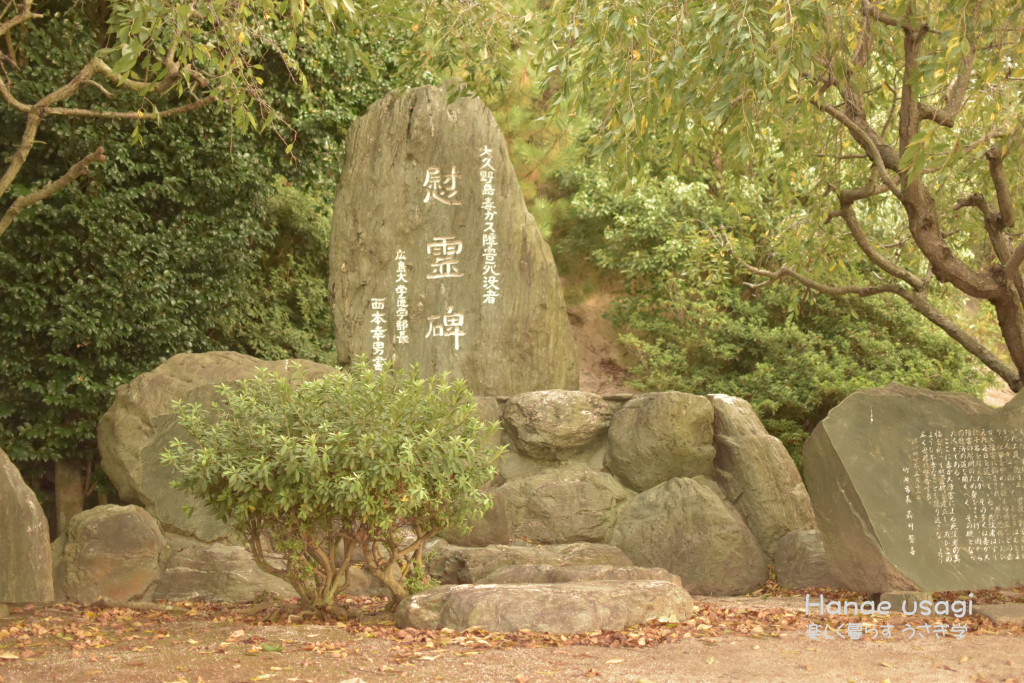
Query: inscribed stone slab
{"x": 918, "y": 490}
{"x": 434, "y": 258}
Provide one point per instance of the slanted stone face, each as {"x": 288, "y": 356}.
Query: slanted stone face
{"x": 434, "y": 259}
{"x": 450, "y": 564}
{"x": 800, "y": 561}
{"x": 758, "y": 475}
{"x": 916, "y": 490}
{"x": 25, "y": 574}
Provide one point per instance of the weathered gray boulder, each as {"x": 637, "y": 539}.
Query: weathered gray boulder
{"x": 451, "y": 564}
{"x": 757, "y": 474}
{"x": 140, "y": 424}
{"x": 685, "y": 528}
{"x": 25, "y": 574}
{"x": 215, "y": 573}
{"x": 434, "y": 258}
{"x": 565, "y": 505}
{"x": 494, "y": 528}
{"x": 660, "y": 436}
{"x": 800, "y": 561}
{"x": 544, "y": 573}
{"x": 916, "y": 490}
{"x": 557, "y": 424}
{"x": 110, "y": 551}
{"x": 551, "y": 608}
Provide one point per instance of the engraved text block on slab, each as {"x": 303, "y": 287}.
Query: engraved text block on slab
{"x": 919, "y": 490}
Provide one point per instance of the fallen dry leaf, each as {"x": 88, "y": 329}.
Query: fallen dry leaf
{"x": 522, "y": 678}
{"x": 886, "y": 664}
{"x": 615, "y": 661}
{"x": 964, "y": 659}
{"x": 8, "y": 655}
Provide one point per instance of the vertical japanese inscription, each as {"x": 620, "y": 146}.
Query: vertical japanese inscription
{"x": 490, "y": 238}
{"x": 378, "y": 333}
{"x": 401, "y": 300}
{"x": 444, "y": 251}
{"x": 971, "y": 482}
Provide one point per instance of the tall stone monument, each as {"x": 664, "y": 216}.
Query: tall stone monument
{"x": 434, "y": 258}
{"x": 918, "y": 490}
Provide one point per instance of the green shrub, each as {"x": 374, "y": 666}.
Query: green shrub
{"x": 305, "y": 469}
{"x": 696, "y": 326}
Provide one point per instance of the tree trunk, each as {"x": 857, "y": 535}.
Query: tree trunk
{"x": 69, "y": 488}
{"x": 1011, "y": 324}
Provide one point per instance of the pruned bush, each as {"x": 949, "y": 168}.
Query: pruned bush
{"x": 309, "y": 471}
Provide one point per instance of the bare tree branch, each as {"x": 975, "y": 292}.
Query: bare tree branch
{"x": 977, "y": 200}
{"x": 878, "y": 15}
{"x": 51, "y": 188}
{"x": 26, "y": 14}
{"x": 853, "y": 225}
{"x": 946, "y": 115}
{"x": 28, "y": 138}
{"x": 135, "y": 115}
{"x": 787, "y": 272}
{"x": 998, "y": 174}
{"x": 924, "y": 307}
{"x": 11, "y": 100}
{"x": 865, "y": 142}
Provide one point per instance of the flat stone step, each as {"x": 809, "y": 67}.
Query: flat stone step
{"x": 453, "y": 564}
{"x": 545, "y": 573}
{"x": 546, "y": 607}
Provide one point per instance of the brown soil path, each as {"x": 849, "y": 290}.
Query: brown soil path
{"x": 761, "y": 638}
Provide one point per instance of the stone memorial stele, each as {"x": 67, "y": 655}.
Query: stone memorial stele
{"x": 434, "y": 258}
{"x": 916, "y": 490}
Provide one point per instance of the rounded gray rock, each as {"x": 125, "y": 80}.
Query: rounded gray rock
{"x": 557, "y": 424}
{"x": 661, "y": 436}
{"x": 494, "y": 528}
{"x": 110, "y": 551}
{"x": 685, "y": 528}
{"x": 565, "y": 505}
{"x": 216, "y": 573}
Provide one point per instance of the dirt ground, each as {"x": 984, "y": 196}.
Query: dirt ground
{"x": 604, "y": 362}
{"x": 758, "y": 638}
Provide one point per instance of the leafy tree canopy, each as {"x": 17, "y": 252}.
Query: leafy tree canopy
{"x": 892, "y": 129}
{"x": 176, "y": 57}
